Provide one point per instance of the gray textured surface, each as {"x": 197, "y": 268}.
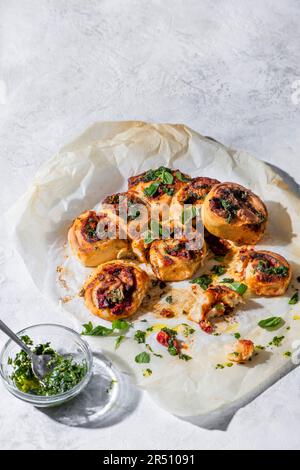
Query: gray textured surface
{"x": 225, "y": 68}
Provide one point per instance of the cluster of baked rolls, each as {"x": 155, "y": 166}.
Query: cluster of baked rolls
{"x": 234, "y": 220}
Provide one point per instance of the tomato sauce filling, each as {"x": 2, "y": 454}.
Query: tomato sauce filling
{"x": 117, "y": 285}
{"x": 228, "y": 203}
{"x": 218, "y": 246}
{"x": 179, "y": 251}
{"x": 125, "y": 203}
{"x": 197, "y": 190}
{"x": 267, "y": 267}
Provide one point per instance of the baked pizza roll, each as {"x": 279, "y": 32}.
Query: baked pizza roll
{"x": 218, "y": 246}
{"x": 158, "y": 186}
{"x": 234, "y": 213}
{"x": 172, "y": 260}
{"x": 115, "y": 290}
{"x": 265, "y": 272}
{"x": 192, "y": 193}
{"x": 217, "y": 301}
{"x": 243, "y": 350}
{"x": 134, "y": 213}
{"x": 93, "y": 238}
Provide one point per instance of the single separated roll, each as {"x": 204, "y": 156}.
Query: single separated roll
{"x": 265, "y": 272}
{"x": 115, "y": 290}
{"x": 93, "y": 238}
{"x": 172, "y": 260}
{"x": 234, "y": 213}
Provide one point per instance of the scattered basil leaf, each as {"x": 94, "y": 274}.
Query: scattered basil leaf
{"x": 142, "y": 358}
{"x": 218, "y": 269}
{"x": 99, "y": 330}
{"x": 237, "y": 335}
{"x": 140, "y": 336}
{"x": 152, "y": 189}
{"x": 271, "y": 323}
{"x": 203, "y": 281}
{"x": 294, "y": 299}
{"x": 166, "y": 177}
{"x": 121, "y": 325}
{"x": 238, "y": 287}
{"x": 227, "y": 280}
{"x": 169, "y": 299}
{"x": 119, "y": 341}
{"x": 185, "y": 357}
{"x": 180, "y": 176}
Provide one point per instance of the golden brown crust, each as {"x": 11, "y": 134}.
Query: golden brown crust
{"x": 115, "y": 290}
{"x": 86, "y": 245}
{"x": 130, "y": 209}
{"x": 171, "y": 260}
{"x": 192, "y": 193}
{"x": 235, "y": 213}
{"x": 242, "y": 351}
{"x": 155, "y": 179}
{"x": 265, "y": 272}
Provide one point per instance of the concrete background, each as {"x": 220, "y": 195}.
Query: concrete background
{"x": 228, "y": 69}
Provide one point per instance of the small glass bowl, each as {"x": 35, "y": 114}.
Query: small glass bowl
{"x": 64, "y": 341}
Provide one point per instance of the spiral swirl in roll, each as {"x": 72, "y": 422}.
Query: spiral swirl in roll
{"x": 172, "y": 260}
{"x": 235, "y": 213}
{"x": 93, "y": 238}
{"x": 266, "y": 273}
{"x": 115, "y": 290}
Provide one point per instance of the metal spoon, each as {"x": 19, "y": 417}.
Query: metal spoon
{"x": 40, "y": 363}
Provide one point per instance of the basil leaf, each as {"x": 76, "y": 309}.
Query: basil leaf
{"x": 169, "y": 299}
{"x": 294, "y": 299}
{"x": 181, "y": 177}
{"x": 238, "y": 287}
{"x": 119, "y": 341}
{"x": 152, "y": 189}
{"x": 97, "y": 331}
{"x": 203, "y": 281}
{"x": 120, "y": 325}
{"x": 218, "y": 269}
{"x": 185, "y": 357}
{"x": 140, "y": 336}
{"x": 166, "y": 177}
{"x": 271, "y": 323}
{"x": 227, "y": 280}
{"x": 142, "y": 358}
{"x": 100, "y": 330}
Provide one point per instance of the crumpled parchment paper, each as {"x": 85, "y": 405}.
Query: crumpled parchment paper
{"x": 98, "y": 163}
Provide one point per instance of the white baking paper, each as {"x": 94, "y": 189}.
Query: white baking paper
{"x": 97, "y": 164}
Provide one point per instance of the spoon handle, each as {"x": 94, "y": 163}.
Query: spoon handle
{"x": 15, "y": 338}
